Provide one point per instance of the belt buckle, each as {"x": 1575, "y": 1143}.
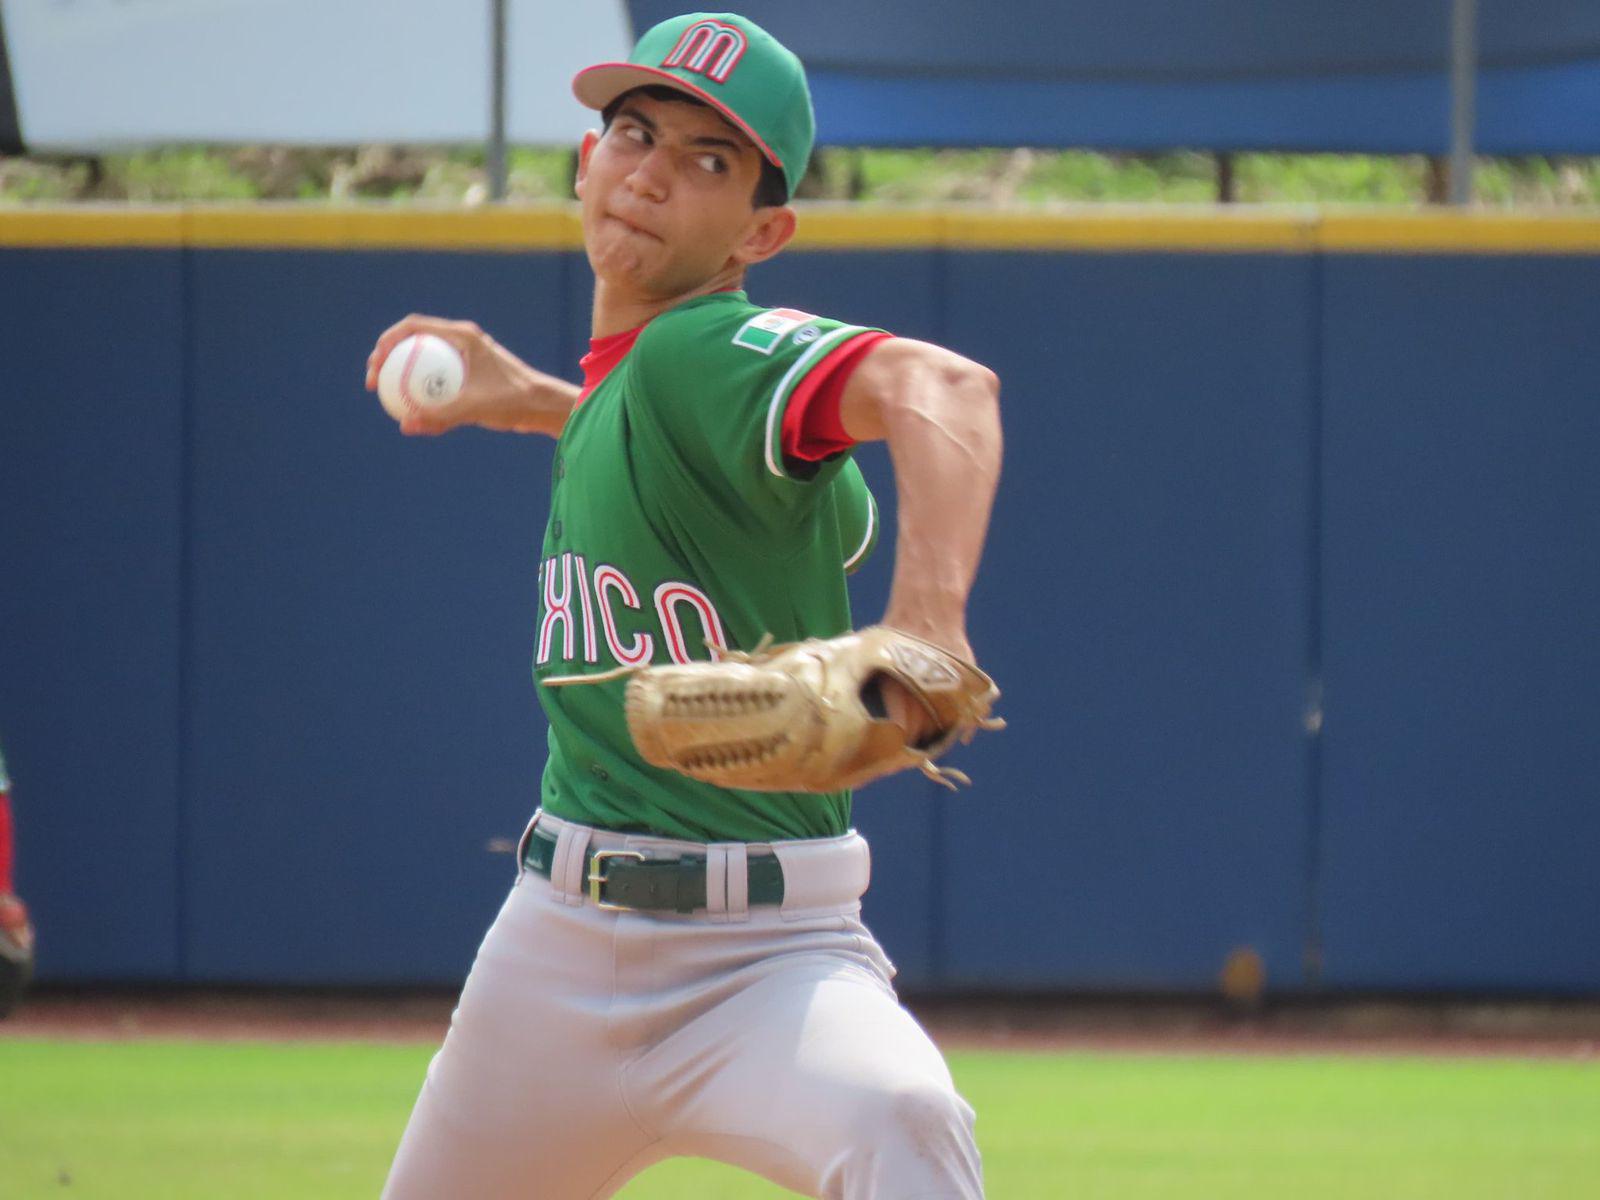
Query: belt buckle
{"x": 598, "y": 877}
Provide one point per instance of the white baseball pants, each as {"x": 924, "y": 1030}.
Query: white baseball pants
{"x": 589, "y": 1044}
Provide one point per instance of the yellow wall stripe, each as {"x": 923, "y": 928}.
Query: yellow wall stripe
{"x": 1120, "y": 228}
{"x": 549, "y": 228}
{"x": 1103, "y": 228}
{"x": 1460, "y": 233}
{"x": 823, "y": 227}
{"x": 90, "y": 225}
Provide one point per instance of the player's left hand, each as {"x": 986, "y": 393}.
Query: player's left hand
{"x": 905, "y": 711}
{"x": 903, "y": 708}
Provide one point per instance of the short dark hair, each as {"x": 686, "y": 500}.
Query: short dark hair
{"x": 771, "y": 189}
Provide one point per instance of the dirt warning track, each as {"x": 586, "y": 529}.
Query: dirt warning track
{"x": 1138, "y": 1025}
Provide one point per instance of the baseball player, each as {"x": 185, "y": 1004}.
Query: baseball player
{"x": 680, "y": 968}
{"x": 16, "y": 933}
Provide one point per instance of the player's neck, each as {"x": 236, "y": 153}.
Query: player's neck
{"x": 617, "y": 310}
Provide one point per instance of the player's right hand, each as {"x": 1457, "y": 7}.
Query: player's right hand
{"x": 500, "y": 391}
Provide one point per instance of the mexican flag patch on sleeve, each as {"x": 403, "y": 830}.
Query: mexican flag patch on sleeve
{"x": 764, "y": 331}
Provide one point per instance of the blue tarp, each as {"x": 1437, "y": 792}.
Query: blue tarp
{"x": 1362, "y": 75}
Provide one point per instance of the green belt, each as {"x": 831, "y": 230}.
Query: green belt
{"x": 625, "y": 879}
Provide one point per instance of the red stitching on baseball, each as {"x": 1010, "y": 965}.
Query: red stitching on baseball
{"x": 412, "y": 407}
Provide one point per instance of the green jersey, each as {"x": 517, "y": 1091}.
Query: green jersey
{"x": 675, "y": 520}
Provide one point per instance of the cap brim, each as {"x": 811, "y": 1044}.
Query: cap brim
{"x": 597, "y": 86}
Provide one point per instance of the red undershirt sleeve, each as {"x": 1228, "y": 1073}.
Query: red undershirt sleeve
{"x": 812, "y": 428}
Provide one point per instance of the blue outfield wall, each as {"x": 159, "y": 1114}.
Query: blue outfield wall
{"x": 1144, "y": 605}
{"x": 91, "y": 533}
{"x": 265, "y": 663}
{"x": 361, "y": 722}
{"x": 1461, "y": 638}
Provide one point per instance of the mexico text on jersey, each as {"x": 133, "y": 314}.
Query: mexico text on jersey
{"x": 610, "y": 587}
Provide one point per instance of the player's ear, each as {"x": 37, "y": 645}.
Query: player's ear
{"x": 585, "y": 149}
{"x": 769, "y": 231}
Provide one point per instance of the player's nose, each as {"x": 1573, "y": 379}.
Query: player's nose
{"x": 649, "y": 177}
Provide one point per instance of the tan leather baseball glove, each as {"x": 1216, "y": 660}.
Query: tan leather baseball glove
{"x": 805, "y": 716}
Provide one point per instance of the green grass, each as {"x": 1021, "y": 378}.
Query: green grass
{"x": 172, "y": 1120}
{"x": 438, "y": 175}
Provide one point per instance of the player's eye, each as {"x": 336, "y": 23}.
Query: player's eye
{"x": 643, "y": 138}
{"x": 713, "y": 163}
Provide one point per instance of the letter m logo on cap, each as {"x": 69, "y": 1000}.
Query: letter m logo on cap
{"x": 713, "y": 48}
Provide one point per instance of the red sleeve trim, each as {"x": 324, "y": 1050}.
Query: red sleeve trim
{"x": 812, "y": 428}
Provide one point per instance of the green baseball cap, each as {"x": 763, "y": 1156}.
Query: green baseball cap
{"x": 732, "y": 64}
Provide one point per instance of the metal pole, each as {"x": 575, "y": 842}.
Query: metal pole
{"x": 1226, "y": 191}
{"x": 1463, "y": 96}
{"x": 497, "y": 100}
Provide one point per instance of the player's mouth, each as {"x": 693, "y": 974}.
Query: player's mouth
{"x": 623, "y": 221}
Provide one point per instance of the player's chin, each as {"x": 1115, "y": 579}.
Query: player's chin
{"x": 616, "y": 260}
{"x": 646, "y": 279}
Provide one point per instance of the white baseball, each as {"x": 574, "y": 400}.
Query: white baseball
{"x": 424, "y": 371}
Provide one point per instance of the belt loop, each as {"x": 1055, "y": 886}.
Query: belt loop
{"x": 717, "y": 876}
{"x": 522, "y": 844}
{"x": 738, "y": 870}
{"x": 567, "y": 876}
